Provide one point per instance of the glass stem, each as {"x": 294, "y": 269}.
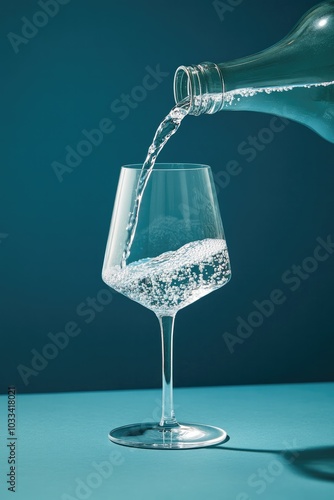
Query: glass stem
{"x": 167, "y": 327}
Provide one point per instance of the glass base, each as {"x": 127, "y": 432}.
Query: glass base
{"x": 179, "y": 436}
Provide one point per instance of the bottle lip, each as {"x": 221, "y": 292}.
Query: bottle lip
{"x": 202, "y": 84}
{"x": 182, "y": 85}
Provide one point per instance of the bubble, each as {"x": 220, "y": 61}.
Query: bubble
{"x": 174, "y": 279}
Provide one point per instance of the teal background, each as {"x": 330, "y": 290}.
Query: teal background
{"x": 53, "y": 234}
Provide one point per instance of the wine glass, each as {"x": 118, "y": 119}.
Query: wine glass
{"x": 178, "y": 255}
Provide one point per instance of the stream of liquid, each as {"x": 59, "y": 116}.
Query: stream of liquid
{"x": 166, "y": 129}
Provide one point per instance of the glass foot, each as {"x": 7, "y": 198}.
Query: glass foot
{"x": 180, "y": 436}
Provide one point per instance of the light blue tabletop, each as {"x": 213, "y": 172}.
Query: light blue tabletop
{"x": 281, "y": 445}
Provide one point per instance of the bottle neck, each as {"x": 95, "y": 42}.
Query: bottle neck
{"x": 203, "y": 85}
{"x": 303, "y": 58}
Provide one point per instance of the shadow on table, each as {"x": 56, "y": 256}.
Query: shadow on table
{"x": 312, "y": 462}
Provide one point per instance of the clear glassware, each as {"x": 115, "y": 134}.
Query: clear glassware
{"x": 177, "y": 256}
{"x": 293, "y": 79}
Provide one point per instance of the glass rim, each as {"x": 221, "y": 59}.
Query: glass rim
{"x": 159, "y": 167}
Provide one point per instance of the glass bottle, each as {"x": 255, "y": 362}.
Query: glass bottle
{"x": 293, "y": 79}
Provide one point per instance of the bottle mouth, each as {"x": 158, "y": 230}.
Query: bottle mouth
{"x": 203, "y": 85}
{"x": 183, "y": 88}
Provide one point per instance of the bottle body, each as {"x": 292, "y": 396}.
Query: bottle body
{"x": 293, "y": 79}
